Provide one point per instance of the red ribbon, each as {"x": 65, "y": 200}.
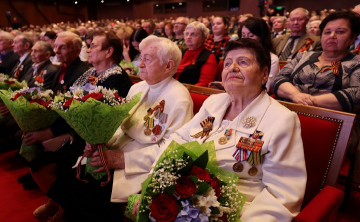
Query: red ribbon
{"x": 88, "y": 153}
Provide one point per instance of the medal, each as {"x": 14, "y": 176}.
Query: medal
{"x": 252, "y": 171}
{"x": 238, "y": 167}
{"x": 249, "y": 122}
{"x": 147, "y": 132}
{"x": 224, "y": 139}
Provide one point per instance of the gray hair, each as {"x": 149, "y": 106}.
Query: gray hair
{"x": 283, "y": 18}
{"x": 200, "y": 27}
{"x": 306, "y": 12}
{"x": 165, "y": 50}
{"x": 26, "y": 37}
{"x": 7, "y": 35}
{"x": 45, "y": 46}
{"x": 75, "y": 39}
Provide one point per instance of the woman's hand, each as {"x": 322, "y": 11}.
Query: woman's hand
{"x": 304, "y": 98}
{"x": 3, "y": 109}
{"x": 126, "y": 50}
{"x": 114, "y": 159}
{"x": 31, "y": 138}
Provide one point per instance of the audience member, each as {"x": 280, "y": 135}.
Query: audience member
{"x": 179, "y": 28}
{"x": 43, "y": 71}
{"x": 313, "y": 27}
{"x": 279, "y": 26}
{"x": 288, "y": 46}
{"x": 198, "y": 65}
{"x": 8, "y": 59}
{"x": 216, "y": 41}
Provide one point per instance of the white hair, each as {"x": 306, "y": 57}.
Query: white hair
{"x": 165, "y": 50}
{"x": 75, "y": 39}
{"x": 200, "y": 27}
{"x": 7, "y": 35}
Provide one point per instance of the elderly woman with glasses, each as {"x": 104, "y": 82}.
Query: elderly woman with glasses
{"x": 165, "y": 105}
{"x": 198, "y": 65}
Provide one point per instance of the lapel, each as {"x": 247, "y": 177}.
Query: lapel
{"x": 282, "y": 43}
{"x": 300, "y": 43}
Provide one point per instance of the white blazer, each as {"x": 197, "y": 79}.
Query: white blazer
{"x": 139, "y": 149}
{"x": 276, "y": 192}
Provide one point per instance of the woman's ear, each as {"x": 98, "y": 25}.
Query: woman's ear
{"x": 265, "y": 77}
{"x": 109, "y": 52}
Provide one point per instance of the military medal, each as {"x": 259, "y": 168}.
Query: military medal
{"x": 224, "y": 139}
{"x": 154, "y": 120}
{"x": 238, "y": 167}
{"x": 249, "y": 149}
{"x": 249, "y": 122}
{"x": 207, "y": 125}
{"x": 252, "y": 171}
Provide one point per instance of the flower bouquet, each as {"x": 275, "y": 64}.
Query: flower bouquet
{"x": 188, "y": 185}
{"x": 94, "y": 113}
{"x": 30, "y": 109}
{"x": 10, "y": 83}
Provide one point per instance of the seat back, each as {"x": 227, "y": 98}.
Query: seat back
{"x": 325, "y": 134}
{"x": 199, "y": 94}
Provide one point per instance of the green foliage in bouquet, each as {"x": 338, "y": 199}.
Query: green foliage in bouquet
{"x": 188, "y": 185}
{"x": 96, "y": 121}
{"x": 29, "y": 115}
{"x": 7, "y": 82}
{"x": 129, "y": 67}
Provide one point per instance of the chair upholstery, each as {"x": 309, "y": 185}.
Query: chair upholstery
{"x": 325, "y": 135}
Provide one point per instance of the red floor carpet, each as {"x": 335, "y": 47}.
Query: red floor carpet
{"x": 16, "y": 204}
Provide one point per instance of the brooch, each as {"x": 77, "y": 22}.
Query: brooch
{"x": 207, "y": 125}
{"x": 249, "y": 122}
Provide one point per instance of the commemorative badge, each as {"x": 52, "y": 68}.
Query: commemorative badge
{"x": 155, "y": 120}
{"x": 224, "y": 139}
{"x": 207, "y": 125}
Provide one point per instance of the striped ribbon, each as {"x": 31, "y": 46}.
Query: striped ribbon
{"x": 334, "y": 66}
{"x": 98, "y": 147}
{"x": 357, "y": 50}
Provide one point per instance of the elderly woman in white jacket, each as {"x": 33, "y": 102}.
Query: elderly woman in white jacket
{"x": 246, "y": 117}
{"x": 165, "y": 106}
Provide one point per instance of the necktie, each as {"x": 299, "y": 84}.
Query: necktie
{"x": 287, "y": 51}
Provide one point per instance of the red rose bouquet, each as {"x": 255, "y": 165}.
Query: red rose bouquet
{"x": 188, "y": 185}
{"x": 30, "y": 108}
{"x": 95, "y": 113}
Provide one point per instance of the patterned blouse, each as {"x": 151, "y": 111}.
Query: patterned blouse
{"x": 307, "y": 77}
{"x": 91, "y": 76}
{"x": 216, "y": 47}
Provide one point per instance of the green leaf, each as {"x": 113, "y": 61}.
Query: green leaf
{"x": 214, "y": 210}
{"x": 195, "y": 179}
{"x": 202, "y": 160}
{"x": 202, "y": 188}
{"x": 170, "y": 190}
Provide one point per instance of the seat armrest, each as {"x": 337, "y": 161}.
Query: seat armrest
{"x": 323, "y": 206}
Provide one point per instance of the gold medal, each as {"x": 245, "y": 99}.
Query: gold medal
{"x": 147, "y": 132}
{"x": 238, "y": 167}
{"x": 252, "y": 171}
{"x": 223, "y": 140}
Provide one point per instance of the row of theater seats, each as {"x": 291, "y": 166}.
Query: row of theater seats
{"x": 325, "y": 135}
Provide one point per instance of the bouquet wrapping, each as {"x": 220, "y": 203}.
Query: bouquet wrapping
{"x": 94, "y": 113}
{"x": 30, "y": 109}
{"x": 7, "y": 83}
{"x": 188, "y": 185}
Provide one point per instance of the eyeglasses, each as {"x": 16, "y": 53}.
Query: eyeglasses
{"x": 179, "y": 23}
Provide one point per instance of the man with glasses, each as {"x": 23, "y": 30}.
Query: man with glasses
{"x": 179, "y": 28}
{"x": 288, "y": 46}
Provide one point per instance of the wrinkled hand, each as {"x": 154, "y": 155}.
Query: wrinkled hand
{"x": 304, "y": 99}
{"x": 3, "y": 109}
{"x": 136, "y": 206}
{"x": 33, "y": 137}
{"x": 114, "y": 159}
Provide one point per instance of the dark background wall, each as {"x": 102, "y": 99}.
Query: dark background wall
{"x": 44, "y": 11}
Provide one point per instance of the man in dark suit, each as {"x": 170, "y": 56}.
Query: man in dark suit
{"x": 8, "y": 58}
{"x": 22, "y": 47}
{"x": 43, "y": 71}
{"x": 288, "y": 46}
{"x": 67, "y": 49}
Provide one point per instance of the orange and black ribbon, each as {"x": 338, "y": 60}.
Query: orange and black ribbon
{"x": 307, "y": 45}
{"x": 207, "y": 125}
{"x": 357, "y": 50}
{"x": 334, "y": 66}
{"x": 98, "y": 147}
{"x": 94, "y": 79}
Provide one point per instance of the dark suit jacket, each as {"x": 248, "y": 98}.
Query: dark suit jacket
{"x": 8, "y": 62}
{"x": 280, "y": 42}
{"x": 74, "y": 71}
{"x": 24, "y": 68}
{"x": 51, "y": 71}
